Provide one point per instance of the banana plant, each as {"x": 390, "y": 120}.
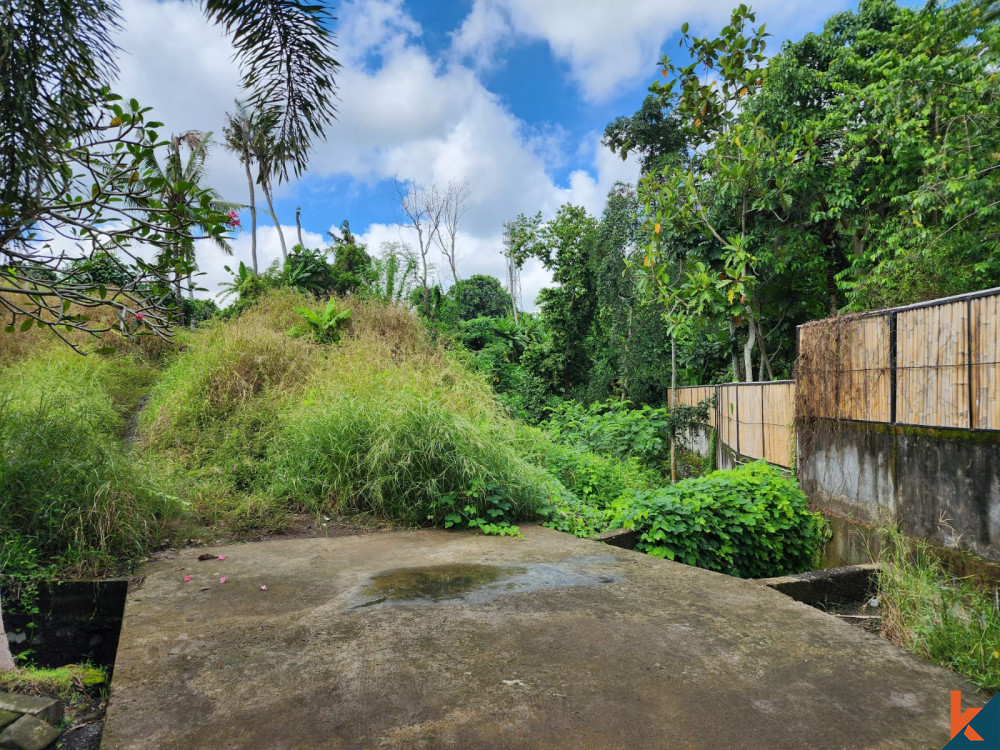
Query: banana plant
{"x": 324, "y": 326}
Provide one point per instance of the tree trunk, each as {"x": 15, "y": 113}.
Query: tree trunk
{"x": 274, "y": 217}
{"x": 6, "y": 660}
{"x": 732, "y": 351}
{"x": 765, "y": 360}
{"x": 298, "y": 225}
{"x": 253, "y": 218}
{"x": 673, "y": 404}
{"x": 748, "y": 350}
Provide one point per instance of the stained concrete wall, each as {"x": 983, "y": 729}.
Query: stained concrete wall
{"x": 917, "y": 476}
{"x": 697, "y": 440}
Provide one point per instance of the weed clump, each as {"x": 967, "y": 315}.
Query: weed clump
{"x": 254, "y": 423}
{"x": 929, "y": 611}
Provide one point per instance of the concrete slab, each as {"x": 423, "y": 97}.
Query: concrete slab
{"x": 433, "y": 639}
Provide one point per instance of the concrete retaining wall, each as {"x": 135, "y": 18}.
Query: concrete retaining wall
{"x": 917, "y": 476}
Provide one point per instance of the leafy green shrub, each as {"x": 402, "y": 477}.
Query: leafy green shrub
{"x": 751, "y": 522}
{"x": 593, "y": 478}
{"x": 929, "y": 611}
{"x": 613, "y": 428}
{"x": 590, "y": 483}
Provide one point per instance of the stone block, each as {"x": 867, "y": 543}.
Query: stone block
{"x": 8, "y": 717}
{"x": 28, "y": 733}
{"x": 46, "y": 709}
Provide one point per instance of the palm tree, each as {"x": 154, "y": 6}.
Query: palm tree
{"x": 177, "y": 176}
{"x": 240, "y": 133}
{"x": 271, "y": 155}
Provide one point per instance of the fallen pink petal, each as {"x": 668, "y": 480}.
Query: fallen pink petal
{"x": 187, "y": 578}
{"x": 222, "y": 580}
{"x": 263, "y": 588}
{"x": 222, "y": 557}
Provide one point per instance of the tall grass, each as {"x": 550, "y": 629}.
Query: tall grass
{"x": 253, "y": 423}
{"x": 70, "y": 492}
{"x": 391, "y": 426}
{"x": 926, "y": 609}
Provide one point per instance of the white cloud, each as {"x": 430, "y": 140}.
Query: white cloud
{"x": 607, "y": 44}
{"x": 372, "y": 26}
{"x": 402, "y": 114}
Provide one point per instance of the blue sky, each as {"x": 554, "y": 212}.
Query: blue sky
{"x": 511, "y": 95}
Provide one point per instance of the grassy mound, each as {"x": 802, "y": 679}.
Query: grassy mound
{"x": 252, "y": 423}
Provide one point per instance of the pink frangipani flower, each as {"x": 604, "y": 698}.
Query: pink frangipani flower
{"x": 222, "y": 580}
{"x": 187, "y": 578}
{"x": 263, "y": 588}
{"x": 222, "y": 557}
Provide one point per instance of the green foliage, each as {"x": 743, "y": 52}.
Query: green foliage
{"x": 928, "y": 610}
{"x": 498, "y": 345}
{"x": 130, "y": 201}
{"x": 253, "y": 424}
{"x": 404, "y": 456}
{"x": 563, "y": 245}
{"x": 303, "y": 270}
{"x": 393, "y": 273}
{"x": 751, "y": 522}
{"x": 652, "y": 132}
{"x": 199, "y": 310}
{"x": 101, "y": 268}
{"x": 613, "y": 428}
{"x": 70, "y": 492}
{"x": 353, "y": 270}
{"x": 480, "y": 296}
{"x": 856, "y": 169}
{"x": 593, "y": 478}
{"x": 324, "y": 326}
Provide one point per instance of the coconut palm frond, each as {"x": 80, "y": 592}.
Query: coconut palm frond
{"x": 285, "y": 51}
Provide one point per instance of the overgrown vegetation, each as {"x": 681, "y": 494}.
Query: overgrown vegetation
{"x": 751, "y": 522}
{"x": 257, "y": 424}
{"x": 70, "y": 492}
{"x": 928, "y": 610}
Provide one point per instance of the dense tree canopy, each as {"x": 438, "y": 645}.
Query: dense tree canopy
{"x": 481, "y": 295}
{"x": 857, "y": 169}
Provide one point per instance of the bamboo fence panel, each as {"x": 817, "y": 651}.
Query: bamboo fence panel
{"x": 727, "y": 416}
{"x": 932, "y": 366}
{"x": 945, "y": 367}
{"x": 845, "y": 369}
{"x": 779, "y": 422}
{"x": 750, "y": 401}
{"x": 984, "y": 346}
{"x": 692, "y": 395}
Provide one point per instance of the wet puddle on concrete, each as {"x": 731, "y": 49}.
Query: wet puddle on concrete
{"x": 474, "y": 583}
